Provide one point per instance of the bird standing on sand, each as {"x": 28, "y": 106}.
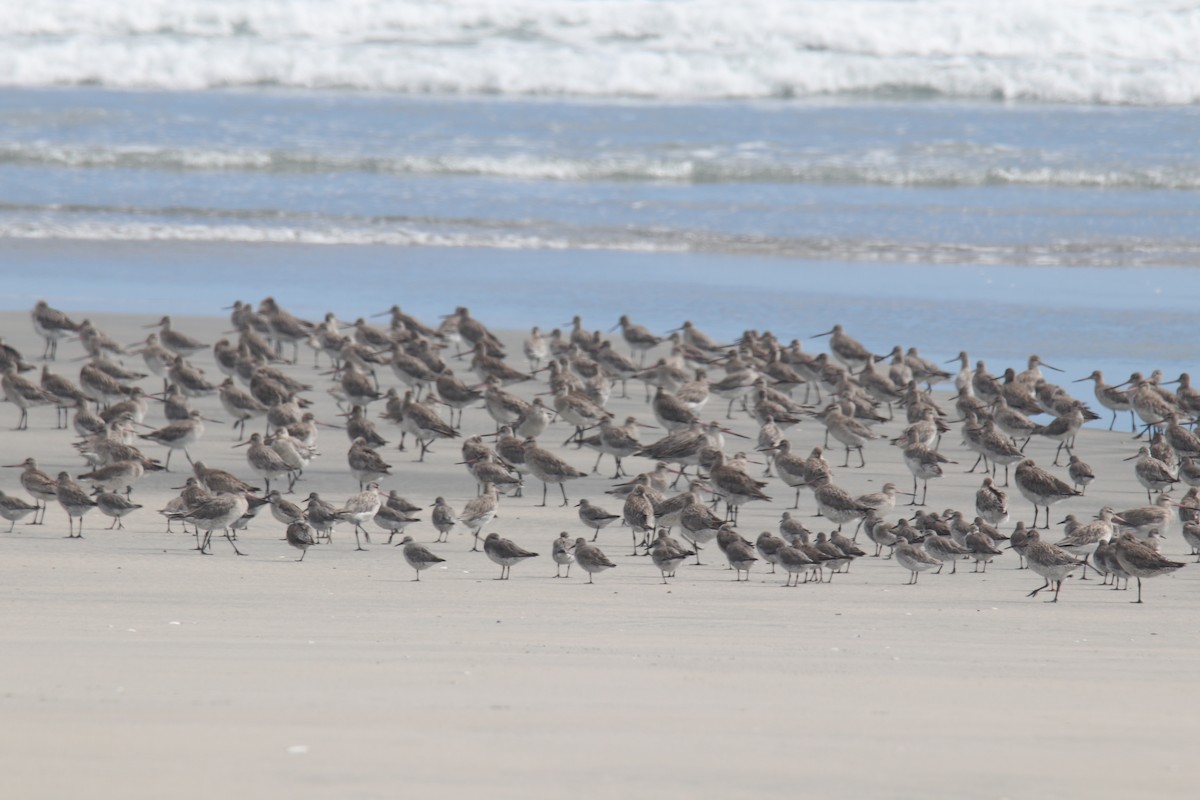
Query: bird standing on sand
{"x": 300, "y": 536}
{"x": 1141, "y": 561}
{"x": 505, "y": 552}
{"x": 1053, "y": 563}
{"x": 560, "y": 551}
{"x": 418, "y": 556}
{"x": 591, "y": 559}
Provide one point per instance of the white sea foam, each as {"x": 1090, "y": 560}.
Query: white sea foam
{"x": 955, "y": 166}
{"x": 126, "y": 225}
{"x": 1071, "y": 51}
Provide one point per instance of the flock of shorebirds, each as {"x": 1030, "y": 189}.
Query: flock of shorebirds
{"x": 848, "y": 395}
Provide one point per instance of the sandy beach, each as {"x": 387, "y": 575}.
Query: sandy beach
{"x": 131, "y": 666}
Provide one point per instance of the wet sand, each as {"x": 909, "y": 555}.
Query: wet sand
{"x": 131, "y": 666}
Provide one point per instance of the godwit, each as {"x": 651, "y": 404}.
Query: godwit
{"x": 924, "y": 463}
{"x": 1141, "y": 561}
{"x": 1053, "y": 563}
{"x": 638, "y": 513}
{"x": 505, "y": 553}
{"x": 1141, "y": 521}
{"x": 734, "y": 486}
{"x": 836, "y": 504}
{"x": 74, "y": 500}
{"x": 479, "y": 512}
{"x": 1083, "y": 539}
{"x": 1151, "y": 473}
{"x": 178, "y": 343}
{"x": 1041, "y": 488}
{"x": 638, "y": 337}
{"x": 418, "y": 556}
{"x": 263, "y": 461}
{"x": 549, "y": 468}
{"x": 847, "y": 349}
{"x": 24, "y": 394}
{"x": 62, "y": 392}
{"x": 52, "y": 325}
{"x": 360, "y": 508}
{"x": 239, "y": 404}
{"x": 618, "y": 441}
{"x": 178, "y": 436}
{"x": 849, "y": 431}
{"x": 14, "y": 509}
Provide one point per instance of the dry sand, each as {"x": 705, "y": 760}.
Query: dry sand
{"x": 131, "y": 666}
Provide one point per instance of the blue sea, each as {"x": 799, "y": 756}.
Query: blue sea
{"x": 1005, "y": 178}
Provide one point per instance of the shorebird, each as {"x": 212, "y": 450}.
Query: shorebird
{"x": 991, "y": 502}
{"x": 14, "y": 509}
{"x": 63, "y": 393}
{"x": 560, "y": 551}
{"x": 849, "y": 431}
{"x": 1041, "y": 488}
{"x": 667, "y": 554}
{"x": 847, "y": 349}
{"x": 480, "y": 511}
{"x": 300, "y": 535}
{"x": 836, "y": 504}
{"x": 741, "y": 557}
{"x": 263, "y": 461}
{"x": 590, "y": 558}
{"x": 116, "y": 506}
{"x": 1152, "y": 473}
{"x": 23, "y": 393}
{"x": 1080, "y": 473}
{"x": 549, "y": 468}
{"x": 1158, "y": 516}
{"x": 768, "y": 544}
{"x": 942, "y": 549}
{"x": 392, "y": 520}
{"x": 1141, "y": 561}
{"x": 505, "y": 553}
{"x": 418, "y": 556}
{"x": 733, "y": 485}
{"x": 219, "y": 512}
{"x": 1053, "y": 563}
{"x": 52, "y": 325}
{"x": 39, "y": 484}
{"x": 179, "y": 343}
{"x": 638, "y": 337}
{"x": 924, "y": 463}
{"x": 595, "y": 517}
{"x": 914, "y": 559}
{"x": 360, "y": 508}
{"x": 365, "y": 463}
{"x": 178, "y": 435}
{"x": 618, "y": 441}
{"x": 443, "y": 518}
{"x": 638, "y": 514}
{"x": 74, "y": 500}
{"x": 424, "y": 424}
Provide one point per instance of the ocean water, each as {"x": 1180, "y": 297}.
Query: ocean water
{"x": 1002, "y": 178}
